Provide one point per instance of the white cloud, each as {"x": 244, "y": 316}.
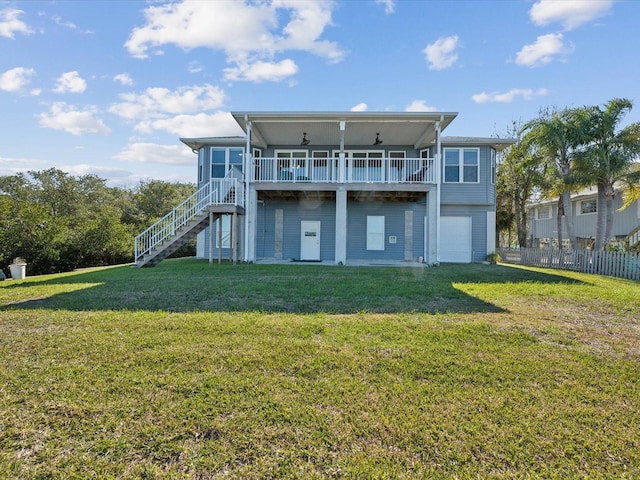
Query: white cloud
{"x": 389, "y": 6}
{"x": 159, "y": 102}
{"x": 570, "y": 13}
{"x": 441, "y": 53}
{"x": 247, "y": 32}
{"x": 70, "y": 25}
{"x": 123, "y": 79}
{"x": 10, "y": 23}
{"x": 546, "y": 48}
{"x": 361, "y": 107}
{"x": 11, "y": 166}
{"x": 63, "y": 116}
{"x": 419, "y": 106}
{"x": 195, "y": 67}
{"x": 262, "y": 71}
{"x": 70, "y": 82}
{"x": 510, "y": 96}
{"x": 15, "y": 79}
{"x": 98, "y": 170}
{"x": 199, "y": 125}
{"x": 154, "y": 153}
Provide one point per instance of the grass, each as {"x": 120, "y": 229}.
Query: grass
{"x": 282, "y": 371}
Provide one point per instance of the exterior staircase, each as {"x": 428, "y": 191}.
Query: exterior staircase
{"x": 633, "y": 238}
{"x": 218, "y": 197}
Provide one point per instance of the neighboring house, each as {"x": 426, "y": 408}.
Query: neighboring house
{"x": 543, "y": 224}
{"x": 337, "y": 187}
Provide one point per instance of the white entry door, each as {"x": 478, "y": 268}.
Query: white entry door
{"x": 309, "y": 240}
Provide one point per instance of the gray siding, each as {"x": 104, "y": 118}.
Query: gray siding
{"x": 293, "y": 214}
{"x": 482, "y": 193}
{"x": 585, "y": 224}
{"x": 357, "y": 212}
{"x": 394, "y": 226}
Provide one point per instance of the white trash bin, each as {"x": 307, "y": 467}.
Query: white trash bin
{"x": 18, "y": 270}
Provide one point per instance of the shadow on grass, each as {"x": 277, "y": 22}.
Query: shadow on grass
{"x": 191, "y": 285}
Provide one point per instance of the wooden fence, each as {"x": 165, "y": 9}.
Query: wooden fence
{"x": 615, "y": 264}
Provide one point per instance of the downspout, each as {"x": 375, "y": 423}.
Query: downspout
{"x": 438, "y": 184}
{"x": 247, "y": 169}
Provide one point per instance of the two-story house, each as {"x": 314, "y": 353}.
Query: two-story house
{"x": 337, "y": 187}
{"x": 543, "y": 220}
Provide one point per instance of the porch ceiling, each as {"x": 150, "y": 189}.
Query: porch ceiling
{"x": 323, "y": 128}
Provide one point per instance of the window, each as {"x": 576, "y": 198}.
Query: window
{"x": 543, "y": 213}
{"x": 292, "y": 164}
{"x": 588, "y": 206}
{"x": 461, "y": 165}
{"x": 223, "y": 223}
{"x": 375, "y": 232}
{"x": 223, "y": 159}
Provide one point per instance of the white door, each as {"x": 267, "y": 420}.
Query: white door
{"x": 455, "y": 239}
{"x": 309, "y": 240}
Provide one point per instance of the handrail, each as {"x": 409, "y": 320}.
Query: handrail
{"x": 220, "y": 191}
{"x": 634, "y": 237}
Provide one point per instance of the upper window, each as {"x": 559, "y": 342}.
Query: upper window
{"x": 461, "y": 165}
{"x": 544, "y": 213}
{"x": 223, "y": 159}
{"x": 588, "y": 206}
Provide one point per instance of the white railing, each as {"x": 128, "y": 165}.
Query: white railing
{"x": 221, "y": 191}
{"x": 634, "y": 237}
{"x": 354, "y": 170}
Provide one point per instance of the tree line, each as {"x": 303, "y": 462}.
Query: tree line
{"x": 563, "y": 151}
{"x": 58, "y": 222}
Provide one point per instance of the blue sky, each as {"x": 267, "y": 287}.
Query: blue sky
{"x": 108, "y": 87}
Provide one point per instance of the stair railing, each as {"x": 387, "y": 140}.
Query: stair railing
{"x": 220, "y": 191}
{"x": 633, "y": 237}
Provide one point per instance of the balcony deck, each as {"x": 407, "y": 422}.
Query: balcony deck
{"x": 381, "y": 171}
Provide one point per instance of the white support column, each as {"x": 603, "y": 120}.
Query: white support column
{"x": 438, "y": 161}
{"x": 251, "y": 208}
{"x": 341, "y": 177}
{"x": 247, "y": 207}
{"x": 341, "y": 226}
{"x": 431, "y": 228}
{"x": 491, "y": 232}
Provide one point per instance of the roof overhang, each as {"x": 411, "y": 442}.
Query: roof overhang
{"x": 498, "y": 144}
{"x": 197, "y": 143}
{"x": 360, "y": 128}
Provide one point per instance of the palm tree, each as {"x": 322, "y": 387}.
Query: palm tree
{"x": 607, "y": 158}
{"x": 557, "y": 134}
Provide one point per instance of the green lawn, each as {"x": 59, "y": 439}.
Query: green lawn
{"x": 188, "y": 370}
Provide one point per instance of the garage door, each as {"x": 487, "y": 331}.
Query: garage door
{"x": 455, "y": 239}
